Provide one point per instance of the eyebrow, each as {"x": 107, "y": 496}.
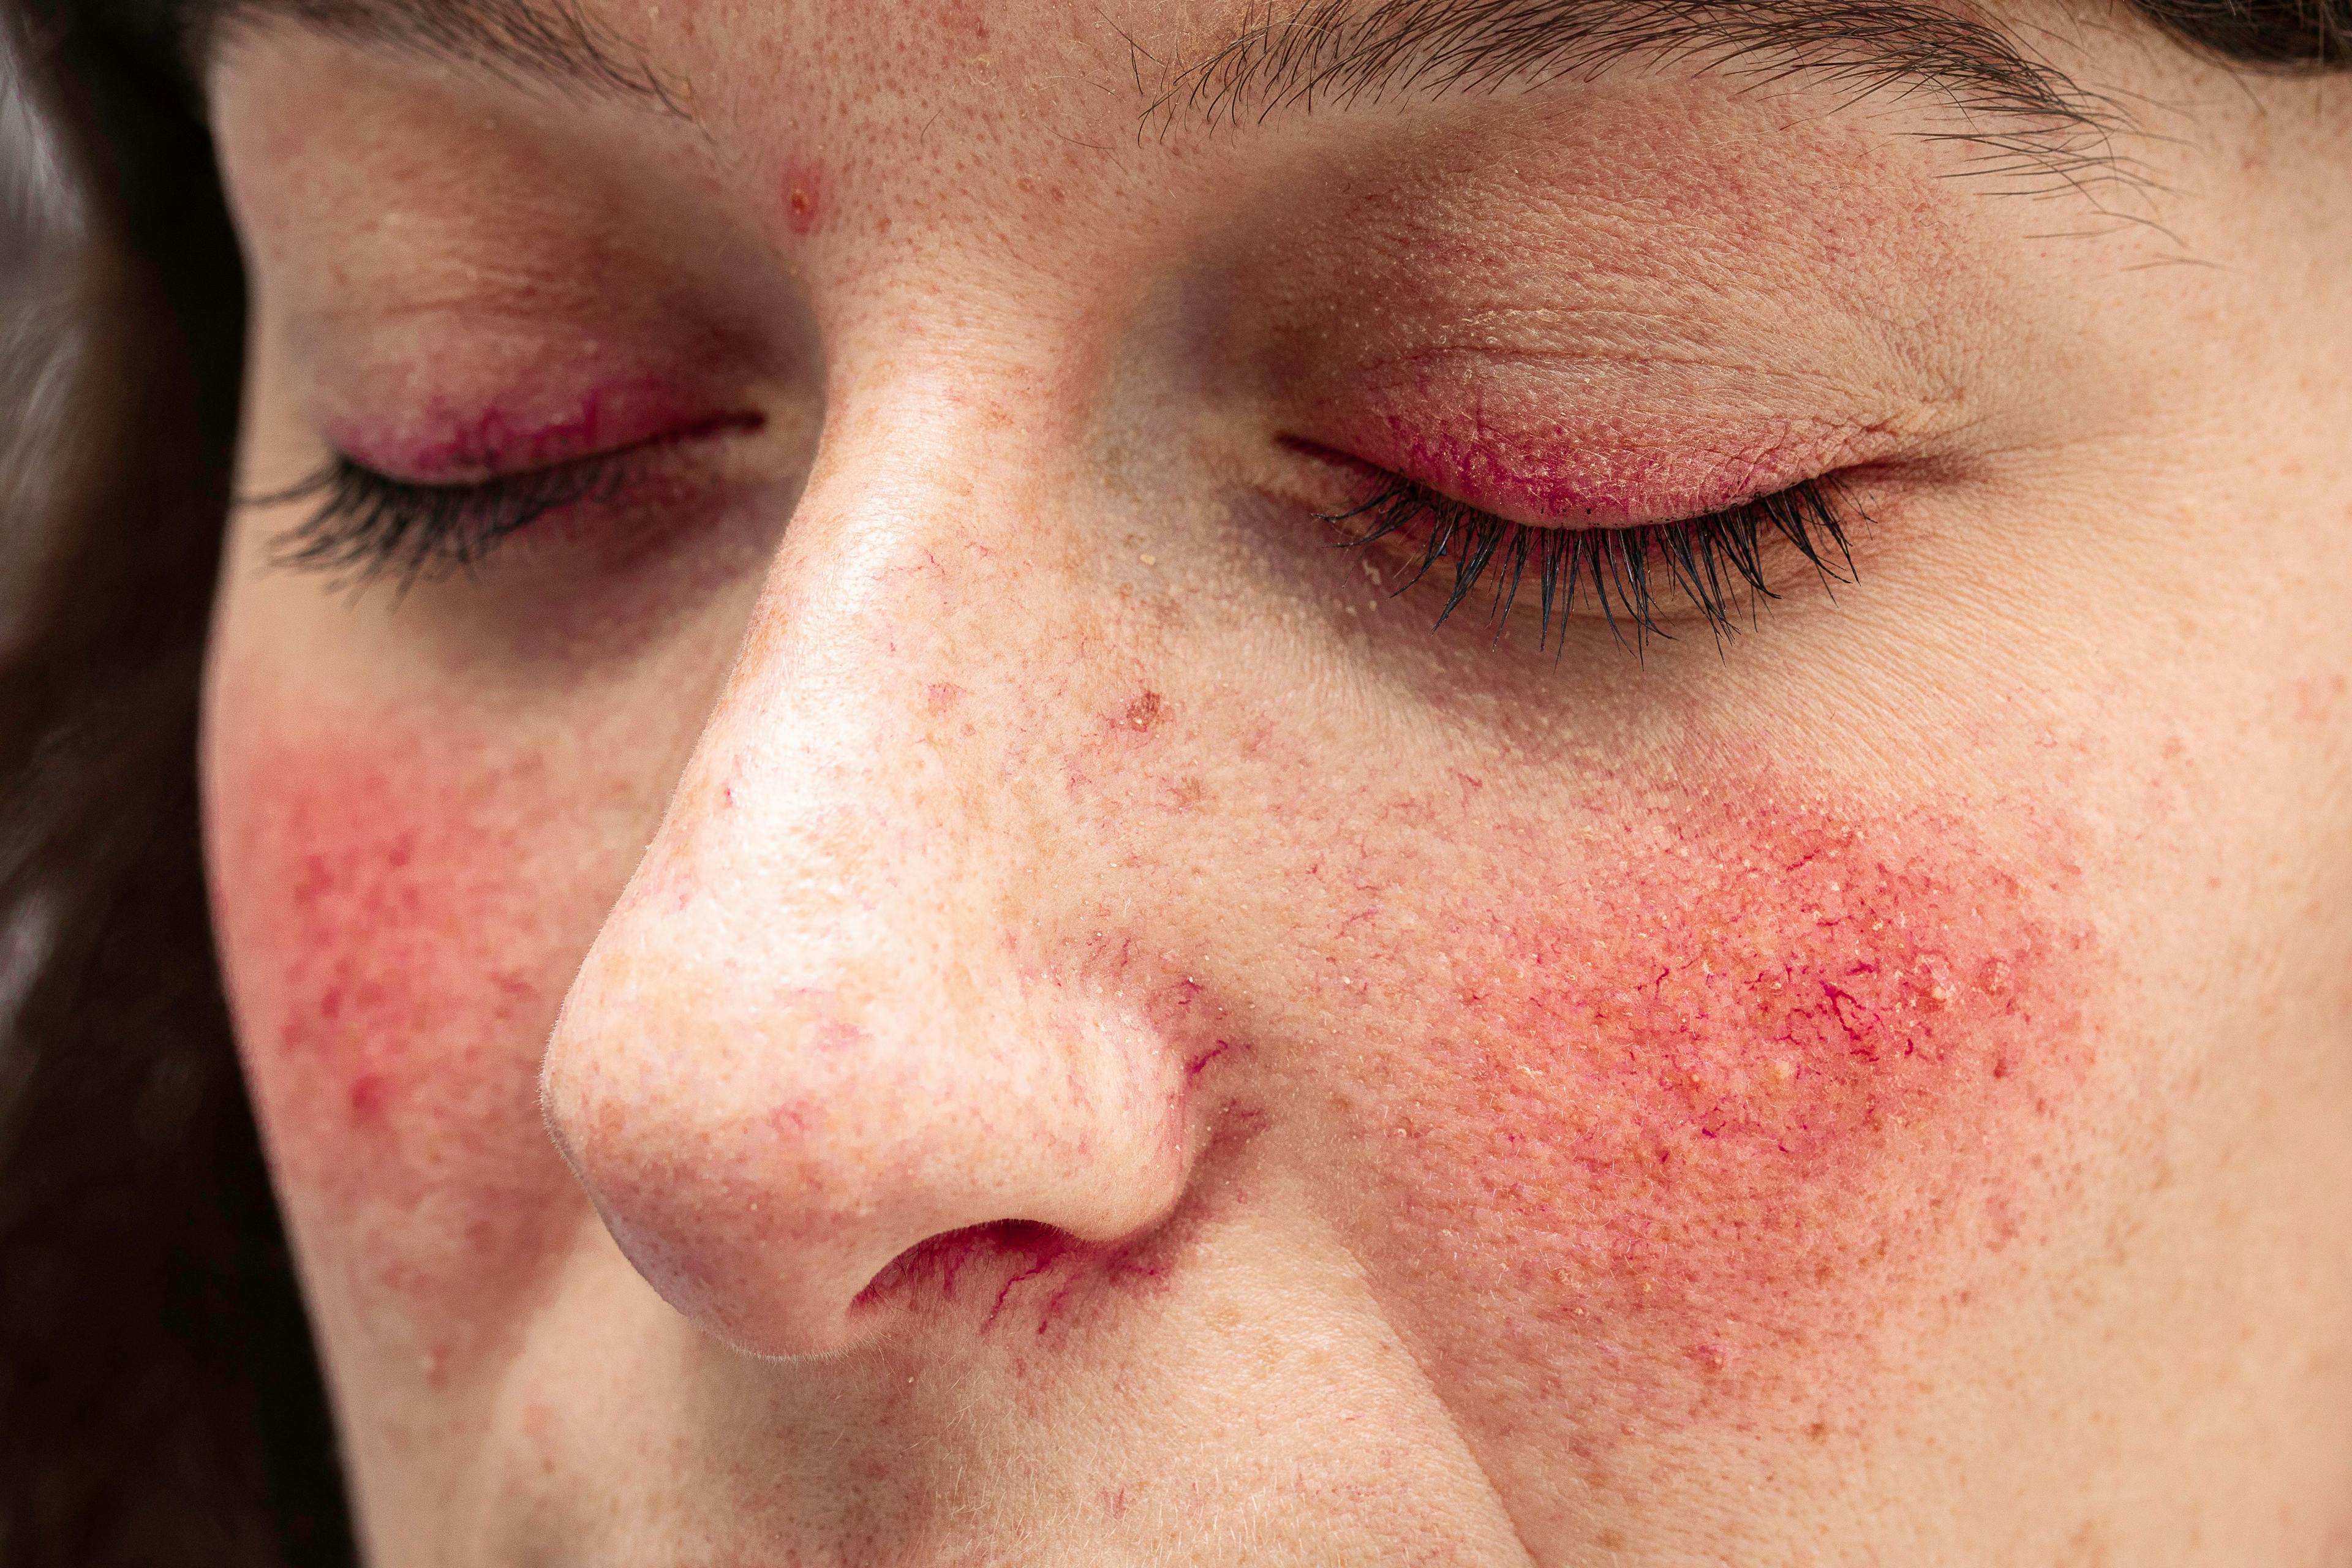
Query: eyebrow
{"x": 549, "y": 43}
{"x": 2020, "y": 114}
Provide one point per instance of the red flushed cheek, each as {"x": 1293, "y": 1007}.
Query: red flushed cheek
{"x": 393, "y": 969}
{"x": 1746, "y": 1082}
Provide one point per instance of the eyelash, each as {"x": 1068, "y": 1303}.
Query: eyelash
{"x": 368, "y": 526}
{"x": 1713, "y": 561}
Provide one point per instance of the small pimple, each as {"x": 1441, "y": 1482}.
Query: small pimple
{"x": 804, "y": 199}
{"x": 1143, "y": 713}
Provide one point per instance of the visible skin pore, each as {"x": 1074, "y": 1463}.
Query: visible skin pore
{"x": 936, "y": 977}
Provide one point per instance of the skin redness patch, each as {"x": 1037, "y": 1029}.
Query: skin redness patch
{"x": 393, "y": 965}
{"x": 1727, "y": 1086}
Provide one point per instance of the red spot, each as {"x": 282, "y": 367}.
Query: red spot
{"x": 803, "y": 198}
{"x": 838, "y": 1034}
{"x": 367, "y": 1096}
{"x": 1143, "y": 713}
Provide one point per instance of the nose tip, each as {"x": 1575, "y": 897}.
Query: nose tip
{"x": 809, "y": 1181}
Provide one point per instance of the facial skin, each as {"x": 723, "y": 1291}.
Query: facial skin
{"x": 925, "y": 973}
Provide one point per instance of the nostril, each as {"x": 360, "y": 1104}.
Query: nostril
{"x": 980, "y": 1264}
{"x": 1008, "y": 1276}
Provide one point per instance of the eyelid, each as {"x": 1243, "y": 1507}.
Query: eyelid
{"x": 1550, "y": 450}
{"x": 1560, "y": 493}
{"x": 476, "y": 455}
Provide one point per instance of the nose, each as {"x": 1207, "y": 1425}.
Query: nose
{"x": 834, "y": 1018}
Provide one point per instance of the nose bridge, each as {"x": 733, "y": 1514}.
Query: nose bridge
{"x": 842, "y": 809}
{"x": 809, "y": 1039}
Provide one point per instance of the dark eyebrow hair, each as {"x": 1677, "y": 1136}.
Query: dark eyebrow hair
{"x": 523, "y": 42}
{"x": 2021, "y": 114}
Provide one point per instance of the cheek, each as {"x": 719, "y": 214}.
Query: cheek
{"x": 1738, "y": 1081}
{"x": 393, "y": 932}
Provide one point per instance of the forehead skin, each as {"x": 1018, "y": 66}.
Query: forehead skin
{"x": 1076, "y": 1027}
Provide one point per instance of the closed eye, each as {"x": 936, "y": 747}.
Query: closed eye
{"x": 1632, "y": 575}
{"x": 365, "y": 526}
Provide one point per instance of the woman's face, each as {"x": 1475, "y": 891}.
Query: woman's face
{"x": 861, "y": 936}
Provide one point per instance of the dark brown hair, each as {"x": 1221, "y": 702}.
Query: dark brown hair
{"x": 159, "y": 1403}
{"x": 158, "y": 1399}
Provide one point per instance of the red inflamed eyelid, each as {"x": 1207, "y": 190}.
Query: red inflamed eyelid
{"x": 461, "y": 438}
{"x": 1565, "y": 476}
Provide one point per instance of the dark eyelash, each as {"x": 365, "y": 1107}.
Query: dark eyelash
{"x": 1713, "y": 561}
{"x": 366, "y": 526}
